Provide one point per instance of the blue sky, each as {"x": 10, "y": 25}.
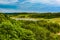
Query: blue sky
{"x": 29, "y": 5}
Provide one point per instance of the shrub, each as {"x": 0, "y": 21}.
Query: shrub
{"x": 11, "y": 32}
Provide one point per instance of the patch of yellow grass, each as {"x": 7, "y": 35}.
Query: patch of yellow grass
{"x": 57, "y": 20}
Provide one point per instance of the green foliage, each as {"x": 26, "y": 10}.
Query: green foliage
{"x": 11, "y": 32}
{"x": 27, "y": 30}
{"x": 53, "y": 27}
{"x": 37, "y": 15}
{"x": 42, "y": 29}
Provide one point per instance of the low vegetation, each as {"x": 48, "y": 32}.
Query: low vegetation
{"x": 11, "y": 29}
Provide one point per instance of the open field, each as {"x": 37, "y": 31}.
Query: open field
{"x": 30, "y": 26}
{"x": 54, "y": 20}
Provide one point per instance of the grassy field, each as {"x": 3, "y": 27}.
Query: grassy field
{"x": 57, "y": 20}
{"x": 30, "y": 26}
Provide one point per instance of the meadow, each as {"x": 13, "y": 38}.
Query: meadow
{"x": 29, "y": 26}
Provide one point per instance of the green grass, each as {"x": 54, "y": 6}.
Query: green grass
{"x": 46, "y": 28}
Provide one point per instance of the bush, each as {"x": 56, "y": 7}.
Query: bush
{"x": 11, "y": 32}
{"x": 40, "y": 32}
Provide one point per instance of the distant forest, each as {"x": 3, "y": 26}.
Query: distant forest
{"x": 37, "y": 15}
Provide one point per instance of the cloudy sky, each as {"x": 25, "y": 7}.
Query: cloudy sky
{"x": 29, "y": 5}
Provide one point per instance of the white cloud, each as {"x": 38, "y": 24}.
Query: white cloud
{"x": 14, "y": 11}
{"x": 8, "y": 1}
{"x": 49, "y": 2}
{"x": 8, "y": 10}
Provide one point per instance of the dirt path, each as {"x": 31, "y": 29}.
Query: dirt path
{"x": 27, "y": 19}
{"x": 58, "y": 33}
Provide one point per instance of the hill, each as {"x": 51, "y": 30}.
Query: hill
{"x": 11, "y": 29}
